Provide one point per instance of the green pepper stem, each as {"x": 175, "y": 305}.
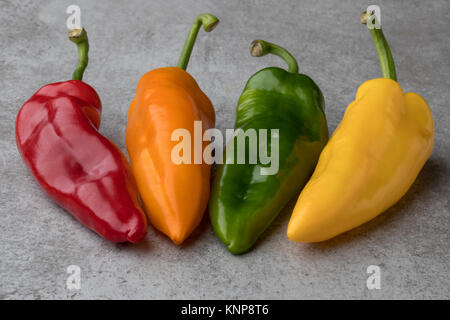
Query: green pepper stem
{"x": 384, "y": 52}
{"x": 80, "y": 38}
{"x": 260, "y": 48}
{"x": 209, "y": 22}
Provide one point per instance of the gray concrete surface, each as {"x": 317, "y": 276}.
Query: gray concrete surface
{"x": 38, "y": 240}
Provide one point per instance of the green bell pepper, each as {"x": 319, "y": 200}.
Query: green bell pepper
{"x": 244, "y": 202}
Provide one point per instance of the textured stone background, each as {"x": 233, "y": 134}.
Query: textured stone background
{"x": 38, "y": 240}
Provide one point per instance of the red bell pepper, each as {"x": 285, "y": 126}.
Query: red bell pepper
{"x": 81, "y": 170}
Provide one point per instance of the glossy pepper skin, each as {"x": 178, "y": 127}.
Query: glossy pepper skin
{"x": 81, "y": 170}
{"x": 370, "y": 162}
{"x": 244, "y": 202}
{"x": 175, "y": 196}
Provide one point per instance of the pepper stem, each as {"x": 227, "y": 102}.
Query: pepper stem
{"x": 384, "y": 52}
{"x": 209, "y": 22}
{"x": 80, "y": 38}
{"x": 260, "y": 48}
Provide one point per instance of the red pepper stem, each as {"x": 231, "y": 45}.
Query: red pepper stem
{"x": 260, "y": 48}
{"x": 209, "y": 22}
{"x": 80, "y": 38}
{"x": 384, "y": 52}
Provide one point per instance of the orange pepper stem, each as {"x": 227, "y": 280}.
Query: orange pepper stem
{"x": 209, "y": 22}
{"x": 79, "y": 37}
{"x": 384, "y": 52}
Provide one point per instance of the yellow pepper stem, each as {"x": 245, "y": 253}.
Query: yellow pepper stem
{"x": 384, "y": 52}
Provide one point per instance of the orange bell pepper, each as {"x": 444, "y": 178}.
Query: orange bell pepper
{"x": 175, "y": 196}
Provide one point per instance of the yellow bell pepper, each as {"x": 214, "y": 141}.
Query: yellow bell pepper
{"x": 372, "y": 159}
